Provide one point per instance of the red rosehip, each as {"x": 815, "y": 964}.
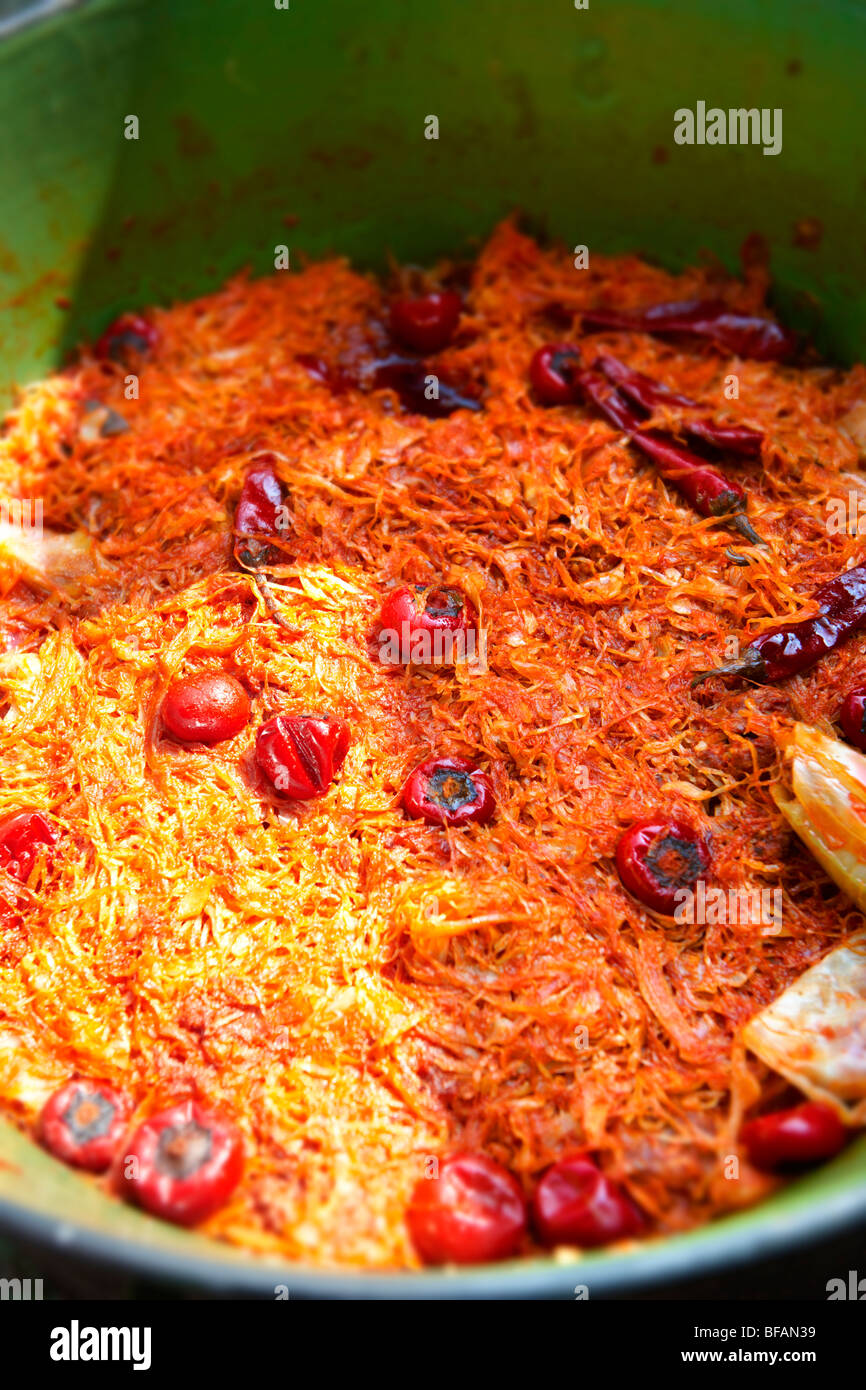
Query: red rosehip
{"x": 183, "y": 1163}
{"x": 852, "y": 717}
{"x": 426, "y": 323}
{"x": 551, "y": 373}
{"x": 129, "y": 333}
{"x": 302, "y": 753}
{"x": 472, "y": 1211}
{"x": 804, "y": 1134}
{"x": 22, "y": 835}
{"x": 576, "y": 1204}
{"x": 657, "y": 857}
{"x": 83, "y": 1123}
{"x": 206, "y": 708}
{"x": 449, "y": 791}
{"x": 421, "y": 623}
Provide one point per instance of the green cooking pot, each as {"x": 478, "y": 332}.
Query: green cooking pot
{"x": 260, "y": 125}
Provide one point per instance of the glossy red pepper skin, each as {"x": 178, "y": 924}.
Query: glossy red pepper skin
{"x": 302, "y": 753}
{"x": 552, "y": 371}
{"x": 708, "y": 489}
{"x": 471, "y": 1212}
{"x": 428, "y": 322}
{"x": 84, "y": 1122}
{"x": 260, "y": 509}
{"x": 407, "y": 378}
{"x": 411, "y": 612}
{"x": 806, "y": 1133}
{"x": 746, "y": 335}
{"x": 659, "y": 856}
{"x": 205, "y": 708}
{"x": 650, "y": 395}
{"x": 182, "y": 1163}
{"x": 22, "y": 836}
{"x": 449, "y": 791}
{"x": 852, "y": 718}
{"x": 786, "y": 651}
{"x": 128, "y": 334}
{"x": 576, "y": 1204}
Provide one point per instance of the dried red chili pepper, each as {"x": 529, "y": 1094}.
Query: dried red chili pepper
{"x": 472, "y": 1210}
{"x": 260, "y": 518}
{"x": 552, "y": 371}
{"x": 449, "y": 791}
{"x": 129, "y": 333}
{"x": 416, "y": 618}
{"x": 22, "y": 835}
{"x": 261, "y": 507}
{"x": 83, "y": 1123}
{"x": 335, "y": 378}
{"x": 302, "y": 753}
{"x": 806, "y": 1133}
{"x": 705, "y": 486}
{"x": 787, "y": 650}
{"x": 426, "y": 323}
{"x": 852, "y": 718}
{"x": 649, "y": 394}
{"x": 205, "y": 708}
{"x": 409, "y": 379}
{"x": 744, "y": 334}
{"x": 183, "y": 1163}
{"x": 576, "y": 1204}
{"x": 658, "y": 857}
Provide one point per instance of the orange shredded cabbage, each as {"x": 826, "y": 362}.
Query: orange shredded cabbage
{"x": 357, "y": 990}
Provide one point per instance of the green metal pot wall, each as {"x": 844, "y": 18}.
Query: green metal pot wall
{"x": 305, "y": 126}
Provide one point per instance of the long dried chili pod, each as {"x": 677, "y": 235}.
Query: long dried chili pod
{"x": 257, "y": 521}
{"x": 747, "y": 335}
{"x": 794, "y": 647}
{"x": 650, "y": 394}
{"x": 706, "y": 487}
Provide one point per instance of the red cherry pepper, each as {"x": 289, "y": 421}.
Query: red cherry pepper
{"x": 260, "y": 509}
{"x": 83, "y": 1123}
{"x": 804, "y": 1134}
{"x": 743, "y": 334}
{"x": 21, "y": 837}
{"x": 657, "y": 857}
{"x": 435, "y": 613}
{"x": 785, "y": 651}
{"x": 426, "y": 323}
{"x": 706, "y": 487}
{"x": 449, "y": 791}
{"x": 852, "y": 717}
{"x": 649, "y": 395}
{"x": 473, "y": 1210}
{"x": 183, "y": 1163}
{"x": 205, "y": 708}
{"x": 576, "y": 1204}
{"x": 552, "y": 371}
{"x": 129, "y": 333}
{"x": 302, "y": 753}
{"x": 408, "y": 379}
